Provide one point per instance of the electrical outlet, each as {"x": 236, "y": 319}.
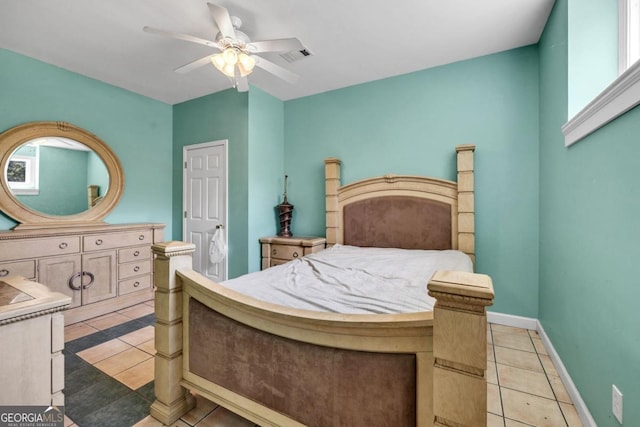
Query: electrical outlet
{"x": 616, "y": 403}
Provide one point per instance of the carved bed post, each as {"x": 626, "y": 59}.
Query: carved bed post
{"x": 332, "y": 183}
{"x": 172, "y": 400}
{"x": 460, "y": 347}
{"x": 466, "y": 208}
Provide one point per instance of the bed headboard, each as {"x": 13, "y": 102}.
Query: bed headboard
{"x": 410, "y": 212}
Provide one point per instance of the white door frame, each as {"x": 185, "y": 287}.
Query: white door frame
{"x": 225, "y": 144}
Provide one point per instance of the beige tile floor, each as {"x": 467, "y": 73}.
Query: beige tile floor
{"x": 524, "y": 388}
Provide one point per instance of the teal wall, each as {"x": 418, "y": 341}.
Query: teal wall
{"x": 266, "y": 168}
{"x": 253, "y": 123}
{"x": 26, "y": 150}
{"x": 593, "y": 58}
{"x": 63, "y": 177}
{"x": 62, "y": 182}
{"x": 132, "y": 125}
{"x": 223, "y": 115}
{"x": 410, "y": 125}
{"x": 97, "y": 173}
{"x": 589, "y": 210}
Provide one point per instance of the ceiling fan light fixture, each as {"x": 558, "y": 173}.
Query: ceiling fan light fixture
{"x": 238, "y": 55}
{"x": 219, "y": 60}
{"x": 245, "y": 64}
{"x": 230, "y": 56}
{"x": 229, "y": 70}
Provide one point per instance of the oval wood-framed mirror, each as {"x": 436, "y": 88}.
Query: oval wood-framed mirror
{"x": 16, "y": 171}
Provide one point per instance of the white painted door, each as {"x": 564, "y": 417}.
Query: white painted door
{"x": 205, "y": 202}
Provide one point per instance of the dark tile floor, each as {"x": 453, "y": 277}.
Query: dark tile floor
{"x": 94, "y": 399}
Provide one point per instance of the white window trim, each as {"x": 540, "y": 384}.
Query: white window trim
{"x": 618, "y": 98}
{"x": 623, "y": 30}
{"x": 621, "y": 95}
{"x": 628, "y": 33}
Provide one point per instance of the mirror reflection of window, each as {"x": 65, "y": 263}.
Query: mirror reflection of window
{"x": 17, "y": 171}
{"x": 23, "y": 171}
{"x": 57, "y": 172}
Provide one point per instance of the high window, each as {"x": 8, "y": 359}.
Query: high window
{"x": 628, "y": 34}
{"x": 592, "y": 64}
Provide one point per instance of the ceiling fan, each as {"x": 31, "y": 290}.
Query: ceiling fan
{"x": 237, "y": 57}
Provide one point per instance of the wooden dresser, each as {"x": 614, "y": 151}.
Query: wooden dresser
{"x": 278, "y": 250}
{"x": 103, "y": 268}
{"x": 31, "y": 343}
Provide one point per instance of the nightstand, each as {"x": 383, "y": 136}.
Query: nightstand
{"x": 278, "y": 250}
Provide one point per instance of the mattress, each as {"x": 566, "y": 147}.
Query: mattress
{"x": 353, "y": 280}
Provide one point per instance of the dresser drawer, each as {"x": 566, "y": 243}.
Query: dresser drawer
{"x": 132, "y": 269}
{"x": 134, "y": 254}
{"x": 275, "y": 261}
{"x": 36, "y": 248}
{"x": 134, "y": 285}
{"x": 25, "y": 269}
{"x": 286, "y": 252}
{"x": 99, "y": 242}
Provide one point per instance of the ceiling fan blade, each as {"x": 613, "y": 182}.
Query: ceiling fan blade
{"x": 223, "y": 20}
{"x": 277, "y": 45}
{"x": 242, "y": 84}
{"x": 194, "y": 64}
{"x": 179, "y": 36}
{"x": 276, "y": 70}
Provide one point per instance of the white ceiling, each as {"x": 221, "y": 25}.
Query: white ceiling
{"x": 353, "y": 41}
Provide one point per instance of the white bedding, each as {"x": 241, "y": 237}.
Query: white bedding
{"x": 349, "y": 279}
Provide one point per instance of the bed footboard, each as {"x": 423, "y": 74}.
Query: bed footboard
{"x": 313, "y": 384}
{"x": 172, "y": 400}
{"x": 441, "y": 355}
{"x": 460, "y": 347}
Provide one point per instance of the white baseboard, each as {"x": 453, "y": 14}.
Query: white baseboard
{"x": 581, "y": 407}
{"x": 530, "y": 323}
{"x": 511, "y": 320}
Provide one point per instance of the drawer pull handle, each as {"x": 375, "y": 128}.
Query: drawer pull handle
{"x": 4, "y": 272}
{"x": 275, "y": 252}
{"x": 136, "y": 284}
{"x": 136, "y": 253}
{"x": 99, "y": 242}
{"x": 141, "y": 237}
{"x": 91, "y": 281}
{"x": 136, "y": 268}
{"x": 63, "y": 245}
{"x": 72, "y": 279}
{"x": 295, "y": 254}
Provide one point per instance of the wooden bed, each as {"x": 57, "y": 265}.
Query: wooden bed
{"x": 279, "y": 366}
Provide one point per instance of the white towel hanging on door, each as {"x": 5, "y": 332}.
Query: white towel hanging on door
{"x": 217, "y": 246}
